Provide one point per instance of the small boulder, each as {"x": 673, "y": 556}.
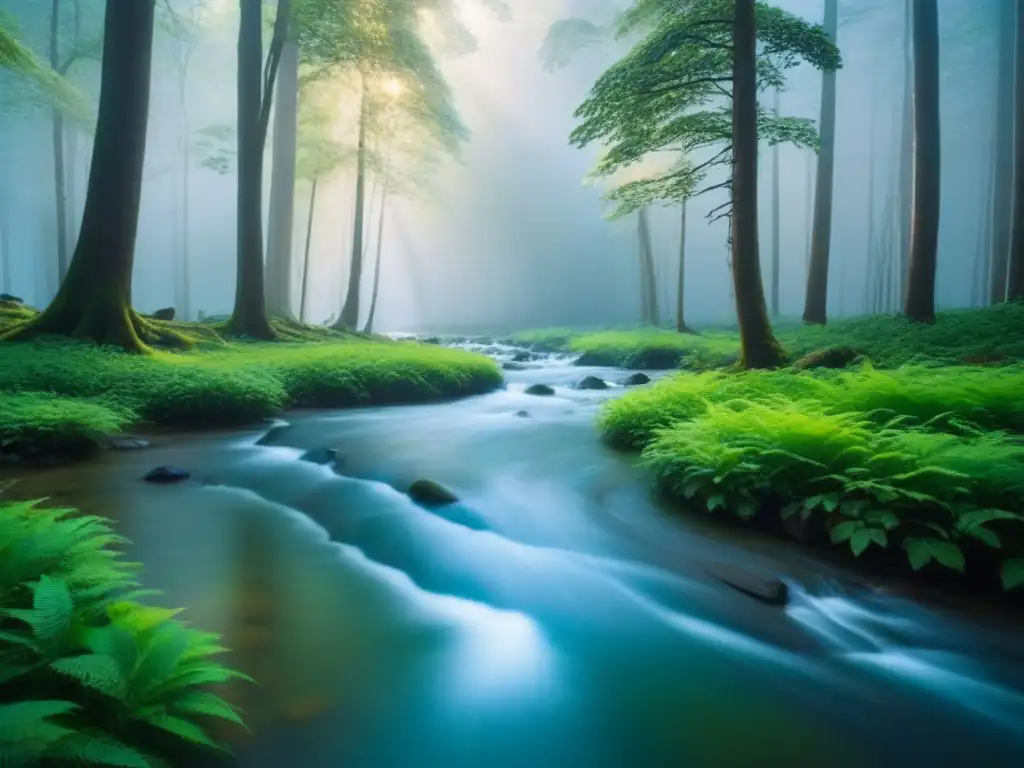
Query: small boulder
{"x": 166, "y": 314}
{"x": 656, "y": 359}
{"x": 523, "y": 414}
{"x": 764, "y": 587}
{"x": 431, "y": 494}
{"x": 513, "y": 366}
{"x": 597, "y": 360}
{"x": 830, "y": 357}
{"x": 166, "y": 475}
{"x": 591, "y": 382}
{"x": 319, "y": 456}
{"x": 128, "y": 443}
{"x": 522, "y": 356}
{"x": 539, "y": 389}
{"x": 431, "y": 340}
{"x": 636, "y": 379}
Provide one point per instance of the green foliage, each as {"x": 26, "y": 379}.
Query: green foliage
{"x": 87, "y": 673}
{"x": 59, "y": 395}
{"x": 667, "y": 92}
{"x": 217, "y": 148}
{"x": 938, "y": 496}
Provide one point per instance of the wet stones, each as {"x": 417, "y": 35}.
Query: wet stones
{"x": 541, "y": 390}
{"x": 431, "y": 494}
{"x": 636, "y": 379}
{"x": 763, "y": 587}
{"x": 166, "y": 475}
{"x": 523, "y": 356}
{"x": 513, "y": 366}
{"x": 166, "y": 314}
{"x": 591, "y": 382}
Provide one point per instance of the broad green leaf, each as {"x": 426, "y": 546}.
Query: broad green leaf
{"x": 1012, "y": 573}
{"x": 845, "y": 530}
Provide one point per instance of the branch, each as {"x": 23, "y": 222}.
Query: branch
{"x": 713, "y": 161}
{"x": 273, "y": 60}
{"x": 689, "y": 84}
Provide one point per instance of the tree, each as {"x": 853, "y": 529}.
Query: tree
{"x": 776, "y": 217}
{"x": 669, "y": 94}
{"x": 924, "y": 236}
{"x": 255, "y": 95}
{"x": 1015, "y": 281}
{"x": 816, "y": 300}
{"x": 681, "y": 326}
{"x": 94, "y": 301}
{"x": 905, "y": 191}
{"x": 1003, "y": 159}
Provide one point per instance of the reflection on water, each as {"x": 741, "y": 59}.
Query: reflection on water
{"x": 552, "y": 618}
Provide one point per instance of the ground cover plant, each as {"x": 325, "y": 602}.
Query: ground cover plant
{"x": 65, "y": 394}
{"x": 89, "y": 675}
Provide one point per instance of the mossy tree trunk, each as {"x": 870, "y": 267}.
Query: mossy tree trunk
{"x": 94, "y": 301}
{"x": 1015, "y": 279}
{"x": 816, "y": 300}
{"x": 1002, "y": 187}
{"x": 349, "y": 317}
{"x": 759, "y": 347}
{"x": 924, "y": 237}
{"x": 255, "y": 95}
{"x": 282, "y": 186}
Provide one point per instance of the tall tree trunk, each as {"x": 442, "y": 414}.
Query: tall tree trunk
{"x": 249, "y": 317}
{"x": 57, "y": 137}
{"x": 776, "y": 217}
{"x": 816, "y": 301}
{"x": 1015, "y": 279}
{"x": 1002, "y": 187}
{"x": 759, "y": 347}
{"x": 349, "y": 318}
{"x": 924, "y": 236}
{"x": 645, "y": 298}
{"x": 305, "y": 256}
{"x": 906, "y": 162}
{"x": 6, "y": 282}
{"x": 71, "y": 139}
{"x": 681, "y": 326}
{"x": 186, "y": 278}
{"x": 94, "y": 301}
{"x": 651, "y": 314}
{"x": 282, "y": 185}
{"x": 380, "y": 242}
{"x": 872, "y": 257}
{"x": 811, "y": 167}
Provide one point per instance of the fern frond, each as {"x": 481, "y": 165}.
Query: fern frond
{"x": 99, "y": 672}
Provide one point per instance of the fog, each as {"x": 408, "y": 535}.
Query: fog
{"x": 511, "y": 235}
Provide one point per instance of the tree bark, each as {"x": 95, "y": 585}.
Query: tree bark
{"x": 376, "y": 269}
{"x": 812, "y": 165}
{"x": 57, "y": 137}
{"x": 906, "y": 164}
{"x": 349, "y": 317}
{"x": 816, "y": 301}
{"x": 776, "y": 217}
{"x": 6, "y": 283}
{"x": 759, "y": 347}
{"x": 649, "y": 290}
{"x": 305, "y": 257}
{"x": 924, "y": 236}
{"x": 282, "y": 185}
{"x": 94, "y": 301}
{"x": 249, "y": 317}
{"x": 873, "y": 261}
{"x": 681, "y": 326}
{"x": 645, "y": 297}
{"x": 1002, "y": 187}
{"x": 1015, "y": 279}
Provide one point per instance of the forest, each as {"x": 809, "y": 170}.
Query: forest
{"x": 509, "y": 376}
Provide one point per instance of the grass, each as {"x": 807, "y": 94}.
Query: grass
{"x": 61, "y": 394}
{"x": 992, "y": 335}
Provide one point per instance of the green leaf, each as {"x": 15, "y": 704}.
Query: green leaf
{"x": 923, "y": 551}
{"x": 1012, "y": 573}
{"x": 715, "y": 502}
{"x": 203, "y": 703}
{"x": 99, "y": 672}
{"x": 26, "y": 720}
{"x": 919, "y": 552}
{"x": 845, "y": 530}
{"x": 182, "y": 728}
{"x": 830, "y": 502}
{"x": 879, "y": 536}
{"x": 984, "y": 535}
{"x": 52, "y": 608}
{"x": 949, "y": 554}
{"x": 93, "y": 748}
{"x": 860, "y": 541}
{"x": 790, "y": 509}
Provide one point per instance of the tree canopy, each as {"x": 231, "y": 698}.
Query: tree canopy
{"x": 672, "y": 93}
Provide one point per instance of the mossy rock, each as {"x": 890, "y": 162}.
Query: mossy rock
{"x": 431, "y": 494}
{"x": 636, "y": 379}
{"x": 598, "y": 359}
{"x": 830, "y": 357}
{"x": 656, "y": 359}
{"x": 591, "y": 382}
{"x": 540, "y": 389}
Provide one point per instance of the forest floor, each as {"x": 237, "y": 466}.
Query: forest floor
{"x": 64, "y": 399}
{"x": 916, "y": 446}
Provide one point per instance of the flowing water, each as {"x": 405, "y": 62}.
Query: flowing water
{"x": 554, "y": 617}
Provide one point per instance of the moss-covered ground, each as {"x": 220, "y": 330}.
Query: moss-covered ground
{"x": 63, "y": 396}
{"x": 918, "y": 448}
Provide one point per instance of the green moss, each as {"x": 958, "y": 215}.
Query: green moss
{"x": 34, "y": 423}
{"x": 102, "y": 391}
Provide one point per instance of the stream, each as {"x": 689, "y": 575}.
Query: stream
{"x": 555, "y": 616}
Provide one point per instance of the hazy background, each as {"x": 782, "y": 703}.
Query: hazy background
{"x": 512, "y": 237}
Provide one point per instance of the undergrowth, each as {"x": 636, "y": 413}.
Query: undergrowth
{"x": 69, "y": 390}
{"x": 88, "y": 674}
